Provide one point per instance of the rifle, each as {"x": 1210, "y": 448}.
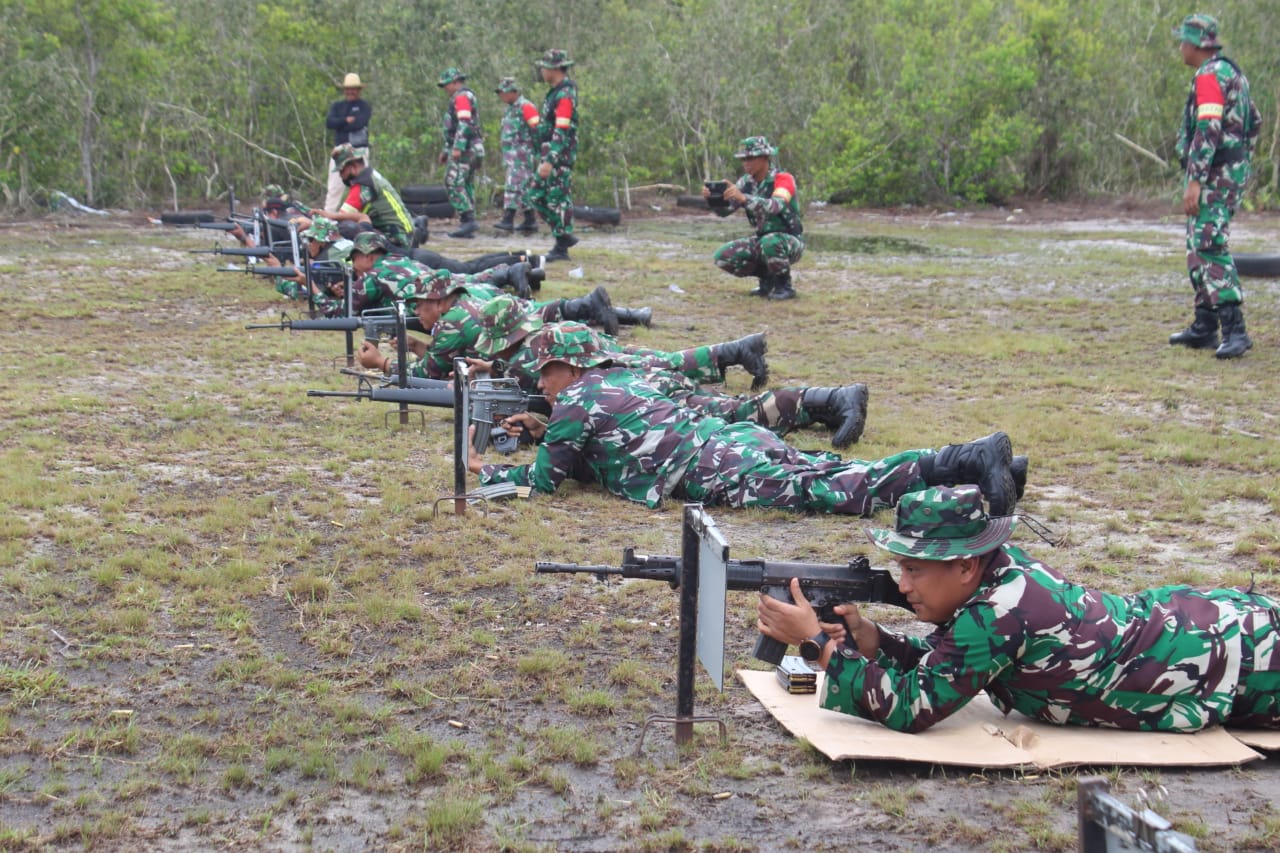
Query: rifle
{"x": 235, "y": 251}
{"x": 379, "y": 324}
{"x": 489, "y": 402}
{"x": 264, "y": 269}
{"x": 824, "y": 585}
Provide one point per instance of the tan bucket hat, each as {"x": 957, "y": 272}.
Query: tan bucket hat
{"x": 351, "y": 81}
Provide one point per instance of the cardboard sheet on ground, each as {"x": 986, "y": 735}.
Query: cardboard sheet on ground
{"x": 980, "y": 736}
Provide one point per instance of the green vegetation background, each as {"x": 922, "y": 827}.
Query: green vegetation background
{"x": 147, "y": 102}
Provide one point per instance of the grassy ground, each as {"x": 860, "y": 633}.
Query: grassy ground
{"x": 229, "y": 616}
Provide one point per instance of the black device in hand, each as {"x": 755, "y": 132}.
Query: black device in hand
{"x": 716, "y": 188}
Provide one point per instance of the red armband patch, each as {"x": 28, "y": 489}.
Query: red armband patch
{"x": 1209, "y": 100}
{"x": 353, "y": 199}
{"x": 462, "y": 106}
{"x": 784, "y": 185}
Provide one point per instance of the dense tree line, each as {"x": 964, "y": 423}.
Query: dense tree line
{"x": 149, "y": 102}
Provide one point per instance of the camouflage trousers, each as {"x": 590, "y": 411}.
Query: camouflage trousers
{"x": 746, "y": 465}
{"x": 777, "y": 410}
{"x": 1257, "y": 701}
{"x": 459, "y": 180}
{"x": 520, "y": 166}
{"x": 1209, "y": 264}
{"x": 772, "y": 254}
{"x": 551, "y": 198}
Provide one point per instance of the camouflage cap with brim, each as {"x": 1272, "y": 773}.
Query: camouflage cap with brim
{"x": 754, "y": 146}
{"x": 368, "y": 242}
{"x": 507, "y": 84}
{"x": 571, "y": 343}
{"x": 449, "y": 75}
{"x": 554, "y": 58}
{"x": 504, "y": 321}
{"x": 432, "y": 284}
{"x": 943, "y": 523}
{"x": 343, "y": 154}
{"x": 1199, "y": 31}
{"x": 322, "y": 230}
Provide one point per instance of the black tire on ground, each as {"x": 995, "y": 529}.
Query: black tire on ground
{"x": 423, "y": 194}
{"x": 187, "y": 217}
{"x": 692, "y": 201}
{"x": 438, "y": 210}
{"x": 597, "y": 215}
{"x": 1257, "y": 265}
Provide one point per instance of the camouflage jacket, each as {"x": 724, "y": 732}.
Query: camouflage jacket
{"x": 654, "y": 366}
{"x": 378, "y": 287}
{"x": 559, "y": 124}
{"x": 461, "y": 129}
{"x": 519, "y": 125}
{"x": 612, "y": 427}
{"x": 1220, "y": 122}
{"x": 373, "y": 195}
{"x": 772, "y": 205}
{"x": 1166, "y": 659}
{"x": 456, "y": 332}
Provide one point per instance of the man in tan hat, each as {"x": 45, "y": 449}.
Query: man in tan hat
{"x": 1167, "y": 659}
{"x": 349, "y": 120}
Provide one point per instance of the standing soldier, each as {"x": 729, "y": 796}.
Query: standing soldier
{"x": 463, "y": 149}
{"x": 519, "y": 125}
{"x": 549, "y": 193}
{"x": 769, "y": 197}
{"x": 348, "y": 118}
{"x": 1217, "y": 137}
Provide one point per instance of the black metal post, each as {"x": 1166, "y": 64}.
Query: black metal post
{"x": 688, "y": 652}
{"x": 461, "y": 443}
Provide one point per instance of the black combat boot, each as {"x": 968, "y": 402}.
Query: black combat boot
{"x": 514, "y": 277}
{"x": 508, "y": 220}
{"x": 764, "y": 287}
{"x": 782, "y": 288}
{"x": 842, "y": 409}
{"x": 748, "y": 352}
{"x": 1018, "y": 469}
{"x": 530, "y": 223}
{"x": 1235, "y": 342}
{"x": 634, "y": 316}
{"x": 560, "y": 251}
{"x": 985, "y": 462}
{"x": 536, "y": 276}
{"x": 467, "y": 225}
{"x": 421, "y": 232}
{"x": 1202, "y": 333}
{"x": 596, "y": 308}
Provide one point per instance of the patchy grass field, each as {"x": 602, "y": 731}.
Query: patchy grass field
{"x": 229, "y": 617}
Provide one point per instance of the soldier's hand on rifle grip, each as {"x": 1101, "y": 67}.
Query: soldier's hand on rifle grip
{"x": 480, "y": 366}
{"x": 369, "y": 356}
{"x": 789, "y": 623}
{"x": 475, "y": 462}
{"x": 863, "y": 634}
{"x": 534, "y": 425}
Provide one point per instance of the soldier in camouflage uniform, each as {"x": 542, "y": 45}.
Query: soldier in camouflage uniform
{"x": 771, "y": 201}
{"x": 371, "y": 199}
{"x": 519, "y": 127}
{"x": 550, "y": 194}
{"x": 1216, "y": 139}
{"x": 1167, "y": 659}
{"x": 322, "y": 241}
{"x": 463, "y": 149}
{"x": 608, "y": 424}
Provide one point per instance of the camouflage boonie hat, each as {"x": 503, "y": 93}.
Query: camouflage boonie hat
{"x": 429, "y": 285}
{"x": 754, "y": 146}
{"x": 507, "y": 84}
{"x": 572, "y": 343}
{"x": 504, "y": 320}
{"x": 554, "y": 58}
{"x": 274, "y": 191}
{"x": 1199, "y": 31}
{"x": 449, "y": 75}
{"x": 943, "y": 524}
{"x": 322, "y": 229}
{"x": 342, "y": 155}
{"x": 368, "y": 242}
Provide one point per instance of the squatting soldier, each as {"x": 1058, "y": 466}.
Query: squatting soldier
{"x": 371, "y": 198}
{"x": 519, "y": 127}
{"x": 1216, "y": 140}
{"x": 644, "y": 447}
{"x": 1167, "y": 659}
{"x": 550, "y": 193}
{"x": 463, "y": 149}
{"x": 770, "y": 199}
